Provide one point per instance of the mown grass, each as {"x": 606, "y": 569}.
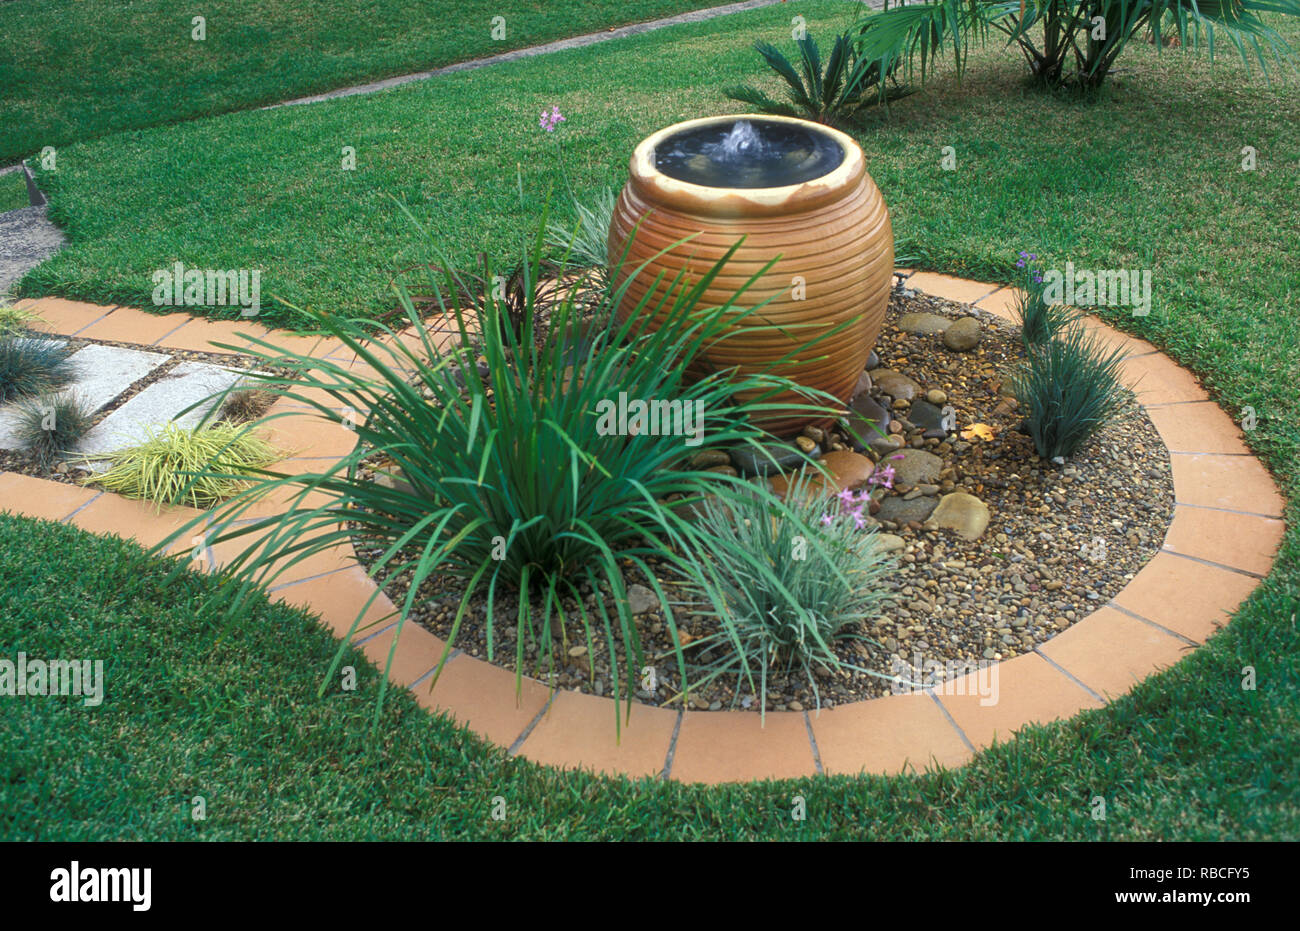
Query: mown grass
{"x": 13, "y": 191}
{"x": 198, "y": 706}
{"x": 72, "y": 70}
{"x": 1146, "y": 176}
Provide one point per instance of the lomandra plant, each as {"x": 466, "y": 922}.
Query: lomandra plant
{"x": 790, "y": 580}
{"x": 1068, "y": 388}
{"x": 511, "y": 480}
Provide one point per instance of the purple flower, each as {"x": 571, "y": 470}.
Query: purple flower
{"x": 550, "y": 120}
{"x": 1019, "y": 264}
{"x": 846, "y": 497}
{"x": 1038, "y": 277}
{"x": 827, "y": 520}
{"x": 884, "y": 477}
{"x": 858, "y": 520}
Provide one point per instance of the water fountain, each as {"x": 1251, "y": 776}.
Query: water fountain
{"x": 791, "y": 188}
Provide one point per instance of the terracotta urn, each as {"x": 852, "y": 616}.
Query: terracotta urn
{"x": 799, "y": 193}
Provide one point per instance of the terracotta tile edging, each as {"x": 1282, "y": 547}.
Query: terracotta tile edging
{"x": 1221, "y": 542}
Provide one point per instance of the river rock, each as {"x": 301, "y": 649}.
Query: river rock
{"x": 867, "y": 422}
{"x": 964, "y": 334}
{"x": 896, "y": 385}
{"x": 889, "y": 543}
{"x": 873, "y": 361}
{"x": 750, "y": 461}
{"x": 964, "y": 513}
{"x": 915, "y": 467}
{"x": 926, "y": 416}
{"x": 904, "y": 511}
{"x": 923, "y": 324}
{"x": 847, "y": 470}
{"x": 641, "y": 599}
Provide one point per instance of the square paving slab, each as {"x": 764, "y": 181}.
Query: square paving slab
{"x": 186, "y": 384}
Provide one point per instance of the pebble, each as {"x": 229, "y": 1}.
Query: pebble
{"x": 963, "y": 335}
{"x": 640, "y": 599}
{"x": 935, "y": 396}
{"x": 896, "y": 385}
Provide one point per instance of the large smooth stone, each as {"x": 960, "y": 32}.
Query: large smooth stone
{"x": 895, "y": 384}
{"x": 966, "y": 514}
{"x": 962, "y": 335}
{"x": 902, "y": 511}
{"x": 914, "y": 467}
{"x": 923, "y": 324}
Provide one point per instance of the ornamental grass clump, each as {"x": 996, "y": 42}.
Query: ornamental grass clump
{"x": 197, "y": 467}
{"x": 515, "y": 470}
{"x": 14, "y": 319}
{"x": 51, "y": 425}
{"x": 1040, "y": 320}
{"x": 786, "y": 580}
{"x": 1067, "y": 388}
{"x": 32, "y": 366}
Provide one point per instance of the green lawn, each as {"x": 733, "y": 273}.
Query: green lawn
{"x": 13, "y": 191}
{"x": 1142, "y": 178}
{"x": 196, "y": 706}
{"x": 76, "y": 69}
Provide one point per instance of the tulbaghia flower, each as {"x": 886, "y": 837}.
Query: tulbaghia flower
{"x": 846, "y": 497}
{"x": 827, "y": 520}
{"x": 884, "y": 477}
{"x": 858, "y": 520}
{"x": 551, "y": 119}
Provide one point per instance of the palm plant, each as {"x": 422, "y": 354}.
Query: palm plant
{"x": 834, "y": 96}
{"x": 509, "y": 483}
{"x": 1052, "y": 33}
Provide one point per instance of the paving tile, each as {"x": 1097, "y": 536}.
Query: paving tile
{"x": 732, "y": 746}
{"x": 953, "y": 289}
{"x": 578, "y": 731}
{"x": 483, "y": 698}
{"x": 128, "y": 325}
{"x": 202, "y": 335}
{"x": 1112, "y": 338}
{"x": 1158, "y": 380}
{"x": 38, "y": 497}
{"x": 282, "y": 341}
{"x": 291, "y": 567}
{"x": 306, "y": 433}
{"x": 1198, "y": 427}
{"x": 416, "y": 653}
{"x": 160, "y": 402}
{"x": 886, "y": 736}
{"x": 339, "y": 597}
{"x": 1110, "y": 652}
{"x": 1019, "y": 691}
{"x": 1240, "y": 483}
{"x": 1242, "y": 541}
{"x": 104, "y": 372}
{"x": 135, "y": 520}
{"x": 1187, "y": 597}
{"x": 1001, "y": 303}
{"x": 66, "y": 318}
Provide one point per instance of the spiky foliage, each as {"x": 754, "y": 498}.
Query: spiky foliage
{"x": 586, "y": 243}
{"x": 518, "y": 477}
{"x": 51, "y": 425}
{"x": 834, "y": 96}
{"x": 786, "y": 581}
{"x": 244, "y": 405}
{"x": 32, "y": 366}
{"x": 1039, "y": 319}
{"x": 1067, "y": 388}
{"x": 198, "y": 467}
{"x": 14, "y": 319}
{"x": 1070, "y": 31}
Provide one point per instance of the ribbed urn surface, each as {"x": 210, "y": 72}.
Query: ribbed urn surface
{"x": 830, "y": 236}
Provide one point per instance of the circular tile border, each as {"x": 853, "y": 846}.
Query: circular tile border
{"x": 1224, "y": 534}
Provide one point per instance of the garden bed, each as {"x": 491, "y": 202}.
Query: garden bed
{"x": 1060, "y": 540}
